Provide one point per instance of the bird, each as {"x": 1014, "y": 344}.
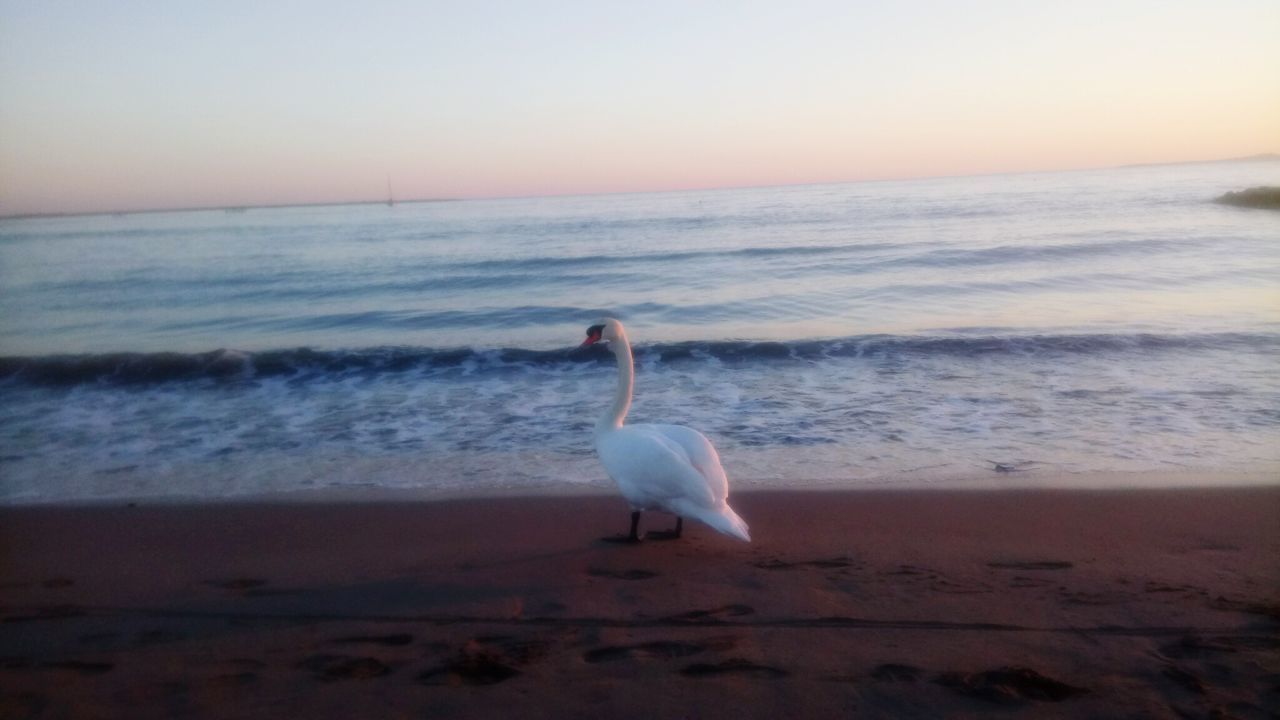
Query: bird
{"x": 670, "y": 468}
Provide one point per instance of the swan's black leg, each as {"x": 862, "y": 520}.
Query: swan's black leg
{"x": 634, "y": 537}
{"x": 668, "y": 534}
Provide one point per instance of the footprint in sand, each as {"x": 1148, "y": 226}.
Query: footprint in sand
{"x": 895, "y": 672}
{"x": 234, "y": 680}
{"x": 656, "y": 650}
{"x": 48, "y": 612}
{"x": 825, "y": 564}
{"x": 158, "y": 636}
{"x": 486, "y": 661}
{"x": 713, "y": 615}
{"x": 396, "y": 640}
{"x": 250, "y": 587}
{"x": 98, "y": 639}
{"x": 733, "y": 666}
{"x": 470, "y": 669}
{"x": 1266, "y": 608}
{"x": 1187, "y": 680}
{"x": 1031, "y": 564}
{"x": 937, "y": 581}
{"x": 81, "y": 667}
{"x": 1195, "y": 647}
{"x": 1158, "y": 588}
{"x": 237, "y": 583}
{"x": 1022, "y": 581}
{"x": 1008, "y": 685}
{"x": 24, "y": 705}
{"x": 330, "y": 668}
{"x": 1092, "y": 598}
{"x": 621, "y": 574}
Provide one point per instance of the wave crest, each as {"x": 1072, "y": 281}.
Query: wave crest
{"x": 308, "y": 364}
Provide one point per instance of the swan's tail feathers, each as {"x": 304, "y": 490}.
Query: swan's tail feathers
{"x": 721, "y": 518}
{"x": 725, "y": 520}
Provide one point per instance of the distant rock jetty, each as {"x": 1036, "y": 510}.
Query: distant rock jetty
{"x": 1256, "y": 197}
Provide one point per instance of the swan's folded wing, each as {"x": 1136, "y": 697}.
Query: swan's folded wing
{"x": 652, "y": 469}
{"x": 702, "y": 455}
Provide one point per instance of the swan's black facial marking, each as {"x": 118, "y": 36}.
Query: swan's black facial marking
{"x": 593, "y": 335}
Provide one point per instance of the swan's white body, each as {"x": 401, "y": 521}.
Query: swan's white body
{"x": 670, "y": 468}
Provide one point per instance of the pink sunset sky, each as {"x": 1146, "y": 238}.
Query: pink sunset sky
{"x": 130, "y": 105}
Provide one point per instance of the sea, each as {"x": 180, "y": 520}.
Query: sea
{"x": 1004, "y": 330}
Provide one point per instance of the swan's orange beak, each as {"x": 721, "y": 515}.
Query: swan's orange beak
{"x": 591, "y": 340}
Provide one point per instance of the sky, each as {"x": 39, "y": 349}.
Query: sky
{"x": 141, "y": 104}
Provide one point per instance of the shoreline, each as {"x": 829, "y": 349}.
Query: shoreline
{"x": 890, "y": 603}
{"x": 991, "y": 481}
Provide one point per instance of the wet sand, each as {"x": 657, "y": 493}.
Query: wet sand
{"x": 1050, "y": 603}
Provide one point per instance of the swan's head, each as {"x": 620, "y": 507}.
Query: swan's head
{"x": 603, "y": 330}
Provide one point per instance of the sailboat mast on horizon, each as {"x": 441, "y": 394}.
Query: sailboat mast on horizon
{"x": 391, "y": 200}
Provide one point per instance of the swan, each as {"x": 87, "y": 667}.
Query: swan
{"x": 670, "y": 468}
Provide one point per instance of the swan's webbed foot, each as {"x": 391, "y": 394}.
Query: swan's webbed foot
{"x": 631, "y": 539}
{"x": 672, "y": 534}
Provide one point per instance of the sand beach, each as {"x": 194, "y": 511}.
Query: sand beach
{"x": 1026, "y": 603}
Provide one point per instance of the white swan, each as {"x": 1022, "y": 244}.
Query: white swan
{"x": 659, "y": 467}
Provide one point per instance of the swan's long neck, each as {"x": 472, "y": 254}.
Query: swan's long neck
{"x": 613, "y": 417}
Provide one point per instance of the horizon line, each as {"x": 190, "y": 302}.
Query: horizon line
{"x": 1256, "y": 157}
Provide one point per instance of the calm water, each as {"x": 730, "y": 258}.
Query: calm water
{"x": 887, "y": 333}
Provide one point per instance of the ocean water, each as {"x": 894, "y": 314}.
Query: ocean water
{"x": 881, "y": 333}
